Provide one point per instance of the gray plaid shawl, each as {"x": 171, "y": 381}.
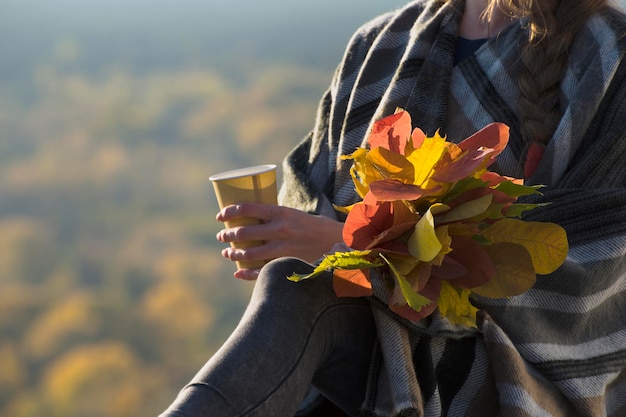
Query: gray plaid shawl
{"x": 559, "y": 349}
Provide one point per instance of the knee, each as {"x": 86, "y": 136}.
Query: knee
{"x": 274, "y": 287}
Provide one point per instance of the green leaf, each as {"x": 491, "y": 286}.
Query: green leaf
{"x": 516, "y": 210}
{"x": 413, "y": 299}
{"x": 517, "y": 190}
{"x": 301, "y": 277}
{"x": 340, "y": 260}
{"x": 467, "y": 210}
{"x": 462, "y": 186}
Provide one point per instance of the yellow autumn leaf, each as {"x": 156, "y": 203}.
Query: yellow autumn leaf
{"x": 391, "y": 164}
{"x": 454, "y": 304}
{"x": 403, "y": 292}
{"x": 343, "y": 209}
{"x": 444, "y": 237}
{"x": 468, "y": 210}
{"x": 425, "y": 158}
{"x": 545, "y": 242}
{"x": 424, "y": 243}
{"x": 514, "y": 271}
{"x": 403, "y": 263}
{"x": 361, "y": 186}
{"x": 363, "y": 173}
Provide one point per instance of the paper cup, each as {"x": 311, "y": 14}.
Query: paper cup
{"x": 255, "y": 184}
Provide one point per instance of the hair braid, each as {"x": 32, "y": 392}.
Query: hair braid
{"x": 551, "y": 32}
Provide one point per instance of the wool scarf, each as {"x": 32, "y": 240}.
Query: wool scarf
{"x": 560, "y": 348}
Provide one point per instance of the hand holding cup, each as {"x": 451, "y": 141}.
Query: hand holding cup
{"x": 255, "y": 184}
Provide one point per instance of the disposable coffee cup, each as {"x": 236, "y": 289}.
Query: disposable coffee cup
{"x": 255, "y": 184}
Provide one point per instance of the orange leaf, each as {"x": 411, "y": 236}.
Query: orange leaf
{"x": 479, "y": 151}
{"x": 370, "y": 225}
{"x": 391, "y": 132}
{"x": 365, "y": 222}
{"x": 417, "y": 138}
{"x": 494, "y": 136}
{"x": 352, "y": 282}
{"x": 492, "y": 179}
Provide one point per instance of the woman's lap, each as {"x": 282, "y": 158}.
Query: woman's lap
{"x": 292, "y": 335}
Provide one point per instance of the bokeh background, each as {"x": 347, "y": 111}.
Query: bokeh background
{"x": 113, "y": 114}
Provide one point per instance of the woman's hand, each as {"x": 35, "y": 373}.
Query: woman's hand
{"x": 285, "y": 231}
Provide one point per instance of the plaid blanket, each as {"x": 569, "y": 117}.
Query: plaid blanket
{"x": 560, "y": 348}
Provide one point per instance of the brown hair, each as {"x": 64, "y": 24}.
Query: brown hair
{"x": 552, "y": 25}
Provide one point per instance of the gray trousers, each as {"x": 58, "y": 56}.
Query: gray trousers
{"x": 292, "y": 336}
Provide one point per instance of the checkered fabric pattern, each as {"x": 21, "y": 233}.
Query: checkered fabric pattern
{"x": 560, "y": 348}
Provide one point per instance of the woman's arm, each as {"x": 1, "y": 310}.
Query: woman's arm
{"x": 285, "y": 231}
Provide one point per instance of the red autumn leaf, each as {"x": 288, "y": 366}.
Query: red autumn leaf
{"x": 494, "y": 136}
{"x": 410, "y": 314}
{"x": 365, "y": 222}
{"x": 417, "y": 137}
{"x": 492, "y": 179}
{"x": 391, "y": 132}
{"x": 402, "y": 213}
{"x": 419, "y": 276}
{"x": 475, "y": 259}
{"x": 387, "y": 241}
{"x": 449, "y": 269}
{"x": 370, "y": 224}
{"x": 463, "y": 166}
{"x": 479, "y": 151}
{"x": 397, "y": 247}
{"x": 391, "y": 190}
{"x": 352, "y": 283}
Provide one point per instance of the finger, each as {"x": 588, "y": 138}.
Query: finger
{"x": 254, "y": 232}
{"x": 247, "y": 274}
{"x": 259, "y": 211}
{"x": 251, "y": 254}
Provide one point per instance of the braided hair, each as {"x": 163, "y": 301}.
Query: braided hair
{"x": 552, "y": 26}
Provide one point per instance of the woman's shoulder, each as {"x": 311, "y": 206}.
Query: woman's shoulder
{"x": 389, "y": 24}
{"x": 610, "y": 22}
{"x": 403, "y": 17}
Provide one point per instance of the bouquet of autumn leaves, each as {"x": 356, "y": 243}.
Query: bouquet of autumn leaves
{"x": 440, "y": 223}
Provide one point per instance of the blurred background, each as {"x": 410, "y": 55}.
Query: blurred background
{"x": 113, "y": 114}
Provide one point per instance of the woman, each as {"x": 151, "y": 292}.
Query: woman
{"x": 553, "y": 72}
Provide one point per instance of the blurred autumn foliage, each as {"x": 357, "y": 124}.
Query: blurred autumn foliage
{"x": 112, "y": 290}
{"x": 113, "y": 115}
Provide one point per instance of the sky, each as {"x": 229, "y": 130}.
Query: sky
{"x": 164, "y": 32}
